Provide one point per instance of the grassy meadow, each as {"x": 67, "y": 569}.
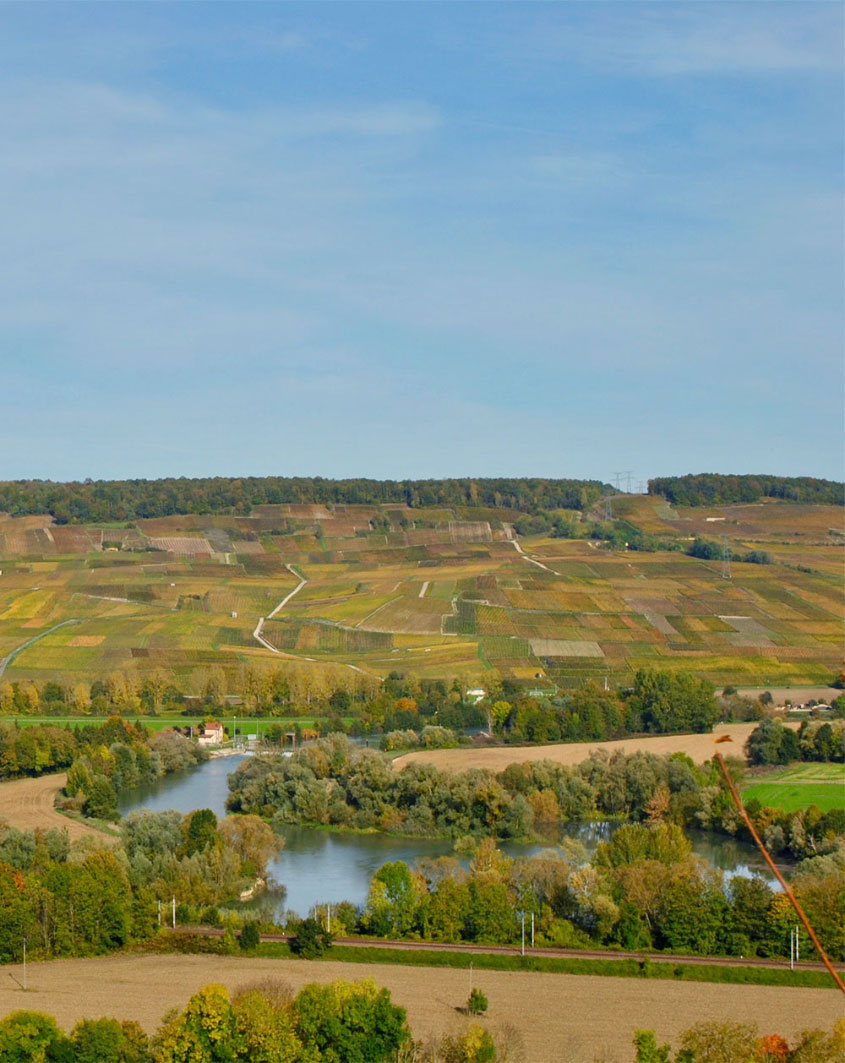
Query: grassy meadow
{"x": 439, "y": 593}
{"x": 801, "y": 785}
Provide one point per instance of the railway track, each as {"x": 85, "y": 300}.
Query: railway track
{"x": 516, "y": 950}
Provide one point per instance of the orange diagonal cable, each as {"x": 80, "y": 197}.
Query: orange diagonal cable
{"x": 787, "y": 889}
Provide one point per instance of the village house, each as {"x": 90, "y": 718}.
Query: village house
{"x": 212, "y": 734}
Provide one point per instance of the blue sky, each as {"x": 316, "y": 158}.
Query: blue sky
{"x": 421, "y": 239}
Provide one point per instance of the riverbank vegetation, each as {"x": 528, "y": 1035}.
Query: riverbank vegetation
{"x": 93, "y": 897}
{"x": 336, "y": 783}
{"x": 101, "y": 759}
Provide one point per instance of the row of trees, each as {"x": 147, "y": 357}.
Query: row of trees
{"x": 713, "y": 489}
{"x": 262, "y": 1023}
{"x": 644, "y": 889}
{"x": 815, "y": 740}
{"x": 741, "y": 1042}
{"x": 708, "y": 550}
{"x": 656, "y": 703}
{"x": 283, "y": 690}
{"x": 95, "y": 501}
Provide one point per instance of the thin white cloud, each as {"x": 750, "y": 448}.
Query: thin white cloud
{"x": 670, "y": 39}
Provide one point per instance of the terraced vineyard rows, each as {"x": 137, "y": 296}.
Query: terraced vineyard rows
{"x": 439, "y": 592}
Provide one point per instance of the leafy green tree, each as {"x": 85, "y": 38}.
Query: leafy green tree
{"x": 250, "y": 937}
{"x": 32, "y": 1037}
{"x": 667, "y": 701}
{"x": 109, "y": 1041}
{"x": 310, "y": 940}
{"x": 205, "y": 1032}
{"x": 772, "y": 743}
{"x": 392, "y": 904}
{"x": 264, "y": 1023}
{"x": 101, "y": 800}
{"x": 350, "y": 1022}
{"x": 200, "y": 831}
{"x": 648, "y": 1050}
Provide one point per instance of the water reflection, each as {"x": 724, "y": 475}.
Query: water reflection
{"x": 319, "y": 866}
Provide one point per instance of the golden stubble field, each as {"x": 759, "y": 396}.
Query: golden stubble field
{"x": 28, "y": 805}
{"x": 562, "y": 1018}
{"x": 699, "y": 747}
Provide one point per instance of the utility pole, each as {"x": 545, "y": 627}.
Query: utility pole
{"x": 532, "y": 930}
{"x": 24, "y": 964}
{"x": 523, "y": 933}
{"x": 173, "y": 908}
{"x": 726, "y": 558}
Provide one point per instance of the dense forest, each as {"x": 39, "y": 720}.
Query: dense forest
{"x": 94, "y": 501}
{"x": 715, "y": 489}
{"x": 118, "y": 500}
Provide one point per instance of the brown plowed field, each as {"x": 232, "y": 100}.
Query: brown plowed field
{"x": 698, "y": 747}
{"x": 562, "y": 1018}
{"x": 28, "y": 804}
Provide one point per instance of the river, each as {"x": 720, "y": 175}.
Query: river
{"x": 320, "y": 866}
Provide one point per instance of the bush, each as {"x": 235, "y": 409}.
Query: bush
{"x": 310, "y": 940}
{"x": 477, "y": 1003}
{"x": 250, "y": 937}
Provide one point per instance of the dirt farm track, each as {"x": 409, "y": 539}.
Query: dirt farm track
{"x": 562, "y": 1018}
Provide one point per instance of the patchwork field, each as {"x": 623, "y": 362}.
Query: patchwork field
{"x": 561, "y": 1018}
{"x": 442, "y": 593}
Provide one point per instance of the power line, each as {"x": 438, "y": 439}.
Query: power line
{"x": 726, "y": 558}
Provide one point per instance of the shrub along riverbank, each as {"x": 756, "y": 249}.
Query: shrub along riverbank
{"x": 643, "y": 890}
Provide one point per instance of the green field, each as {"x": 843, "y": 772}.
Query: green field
{"x": 442, "y": 594}
{"x": 799, "y": 786}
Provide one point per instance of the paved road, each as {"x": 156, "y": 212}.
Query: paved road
{"x": 4, "y": 661}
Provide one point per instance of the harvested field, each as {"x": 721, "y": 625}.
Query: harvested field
{"x": 699, "y": 747}
{"x": 28, "y": 804}
{"x": 182, "y": 544}
{"x": 565, "y": 648}
{"x": 571, "y": 1018}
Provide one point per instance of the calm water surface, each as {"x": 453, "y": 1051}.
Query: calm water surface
{"x": 318, "y": 867}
